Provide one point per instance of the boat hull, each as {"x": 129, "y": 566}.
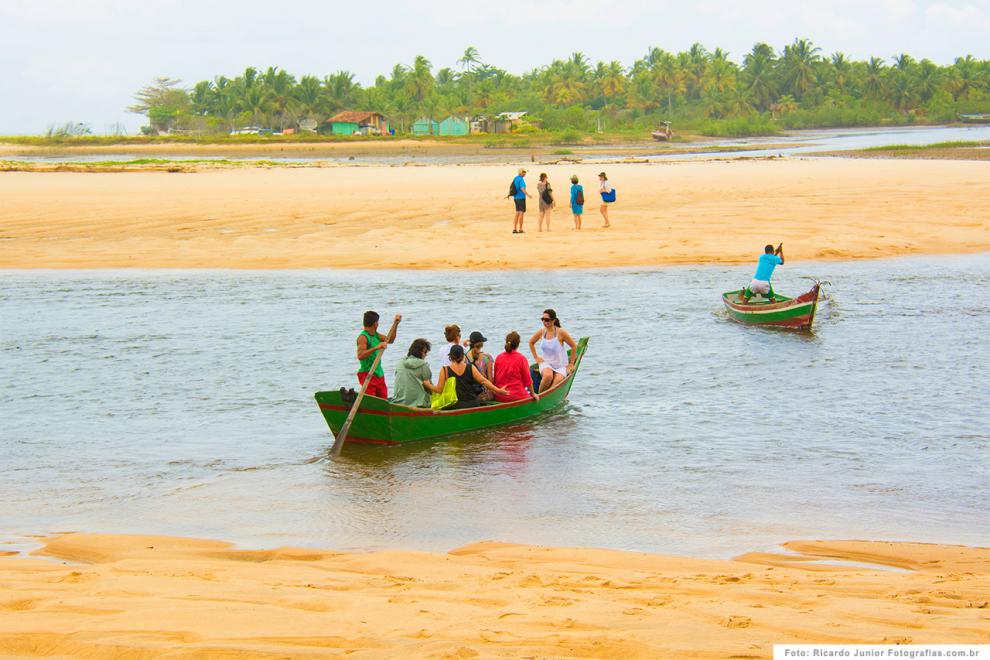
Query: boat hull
{"x": 794, "y": 313}
{"x": 380, "y": 422}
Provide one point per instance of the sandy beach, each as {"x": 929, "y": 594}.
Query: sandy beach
{"x": 457, "y": 216}
{"x": 134, "y": 596}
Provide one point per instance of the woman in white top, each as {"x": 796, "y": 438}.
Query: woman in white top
{"x": 604, "y": 188}
{"x": 552, "y": 360}
{"x": 453, "y": 335}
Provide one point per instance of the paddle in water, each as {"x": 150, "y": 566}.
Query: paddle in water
{"x": 338, "y": 442}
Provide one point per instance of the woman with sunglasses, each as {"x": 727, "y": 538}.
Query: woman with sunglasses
{"x": 552, "y": 360}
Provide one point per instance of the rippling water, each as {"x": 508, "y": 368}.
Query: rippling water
{"x": 180, "y": 402}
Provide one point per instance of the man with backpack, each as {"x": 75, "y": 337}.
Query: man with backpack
{"x": 517, "y": 191}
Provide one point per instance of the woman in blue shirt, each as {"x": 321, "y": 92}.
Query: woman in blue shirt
{"x": 576, "y": 209}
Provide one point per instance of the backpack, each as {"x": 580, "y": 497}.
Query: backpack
{"x": 547, "y": 195}
{"x": 579, "y": 198}
{"x": 512, "y": 189}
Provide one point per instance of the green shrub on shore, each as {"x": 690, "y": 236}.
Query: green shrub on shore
{"x": 739, "y": 127}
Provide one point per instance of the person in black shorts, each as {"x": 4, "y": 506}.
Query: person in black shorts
{"x": 519, "y": 197}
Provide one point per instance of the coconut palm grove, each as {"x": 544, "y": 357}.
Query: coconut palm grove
{"x": 703, "y": 90}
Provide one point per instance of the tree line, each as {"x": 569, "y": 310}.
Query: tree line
{"x": 797, "y": 87}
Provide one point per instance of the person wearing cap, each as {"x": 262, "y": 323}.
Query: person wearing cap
{"x": 576, "y": 209}
{"x": 520, "y": 200}
{"x": 476, "y": 357}
{"x": 466, "y": 375}
{"x": 604, "y": 189}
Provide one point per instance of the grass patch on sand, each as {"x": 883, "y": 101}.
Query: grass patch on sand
{"x": 937, "y": 145}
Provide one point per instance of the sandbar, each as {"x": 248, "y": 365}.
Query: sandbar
{"x": 147, "y": 596}
{"x": 457, "y": 216}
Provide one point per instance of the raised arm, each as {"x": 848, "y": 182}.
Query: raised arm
{"x": 391, "y": 331}
{"x": 780, "y": 253}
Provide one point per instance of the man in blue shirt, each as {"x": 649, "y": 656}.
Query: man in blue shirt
{"x": 519, "y": 183}
{"x": 769, "y": 260}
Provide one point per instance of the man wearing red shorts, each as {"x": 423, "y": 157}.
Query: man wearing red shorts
{"x": 369, "y": 342}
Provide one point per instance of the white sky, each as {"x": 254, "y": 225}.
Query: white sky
{"x": 82, "y": 60}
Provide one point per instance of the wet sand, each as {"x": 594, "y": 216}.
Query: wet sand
{"x": 458, "y": 217}
{"x": 134, "y": 596}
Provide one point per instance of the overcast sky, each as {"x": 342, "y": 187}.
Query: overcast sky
{"x": 82, "y": 60}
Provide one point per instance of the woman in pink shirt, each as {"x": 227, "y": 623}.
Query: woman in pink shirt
{"x": 512, "y": 372}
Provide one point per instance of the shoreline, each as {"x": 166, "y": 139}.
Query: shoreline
{"x": 105, "y": 595}
{"x": 456, "y": 216}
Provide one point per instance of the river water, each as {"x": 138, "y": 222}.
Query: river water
{"x": 793, "y": 143}
{"x": 180, "y": 402}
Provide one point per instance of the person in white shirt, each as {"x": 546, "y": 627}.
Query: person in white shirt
{"x": 604, "y": 189}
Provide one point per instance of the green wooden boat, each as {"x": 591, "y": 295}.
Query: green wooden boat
{"x": 381, "y": 422}
{"x": 795, "y": 313}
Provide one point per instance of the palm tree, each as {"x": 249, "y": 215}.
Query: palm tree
{"x": 341, "y": 90}
{"x": 670, "y": 78}
{"x": 470, "y": 58}
{"x": 309, "y": 94}
{"x": 612, "y": 80}
{"x": 420, "y": 81}
{"x": 964, "y": 77}
{"x": 928, "y": 80}
{"x": 841, "y": 71}
{"x": 758, "y": 76}
{"x": 798, "y": 62}
{"x": 873, "y": 82}
{"x": 279, "y": 84}
{"x": 255, "y": 101}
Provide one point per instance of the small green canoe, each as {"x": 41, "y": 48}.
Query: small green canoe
{"x": 795, "y": 313}
{"x": 380, "y": 422}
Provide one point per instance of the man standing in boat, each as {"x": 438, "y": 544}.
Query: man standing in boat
{"x": 369, "y": 343}
{"x": 769, "y": 260}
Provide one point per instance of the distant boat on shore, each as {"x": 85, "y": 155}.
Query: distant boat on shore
{"x": 978, "y": 118}
{"x": 663, "y": 132}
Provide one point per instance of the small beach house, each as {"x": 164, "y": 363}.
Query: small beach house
{"x": 425, "y": 126}
{"x": 350, "y": 122}
{"x": 454, "y": 126}
{"x": 506, "y": 122}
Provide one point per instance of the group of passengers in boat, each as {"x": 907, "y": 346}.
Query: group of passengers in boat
{"x": 479, "y": 377}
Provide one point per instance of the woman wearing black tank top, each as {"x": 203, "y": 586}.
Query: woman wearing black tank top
{"x": 466, "y": 376}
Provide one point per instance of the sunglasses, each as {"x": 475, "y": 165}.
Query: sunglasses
{"x": 545, "y": 319}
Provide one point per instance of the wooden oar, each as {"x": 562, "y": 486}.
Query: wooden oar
{"x": 338, "y": 442}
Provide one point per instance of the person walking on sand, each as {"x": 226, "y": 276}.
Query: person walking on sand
{"x": 369, "y": 342}
{"x": 608, "y": 196}
{"x": 769, "y": 260}
{"x": 547, "y": 203}
{"x": 577, "y": 201}
{"x": 519, "y": 195}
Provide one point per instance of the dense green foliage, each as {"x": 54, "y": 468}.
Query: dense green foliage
{"x": 797, "y": 87}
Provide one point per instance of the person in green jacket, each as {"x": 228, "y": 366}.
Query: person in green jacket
{"x": 412, "y": 376}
